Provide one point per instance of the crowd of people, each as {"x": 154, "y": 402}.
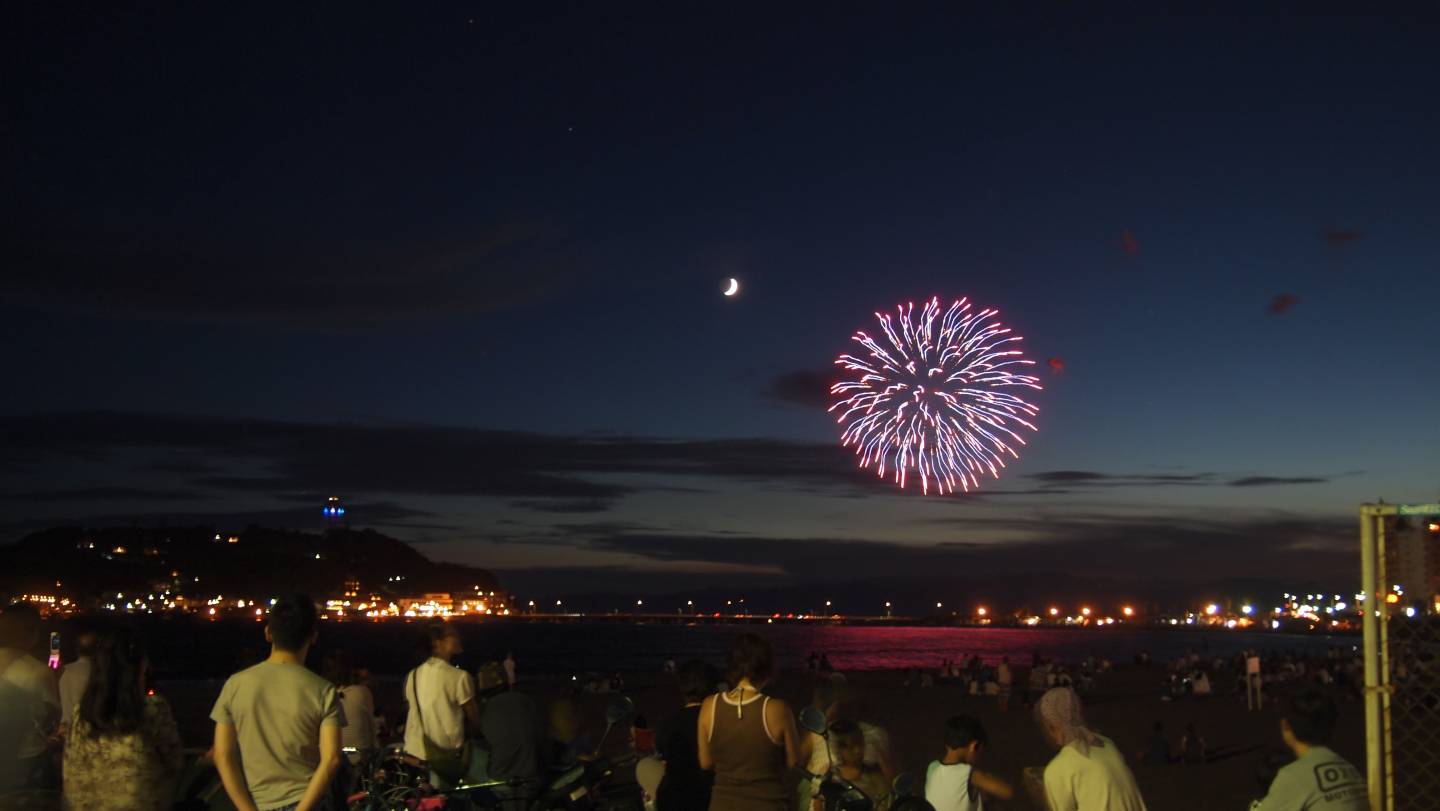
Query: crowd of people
{"x": 282, "y": 731}
{"x": 285, "y": 736}
{"x": 1253, "y": 676}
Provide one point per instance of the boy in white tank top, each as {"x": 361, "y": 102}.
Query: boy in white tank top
{"x": 952, "y": 783}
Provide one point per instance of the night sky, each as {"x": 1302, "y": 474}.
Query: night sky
{"x": 464, "y": 269}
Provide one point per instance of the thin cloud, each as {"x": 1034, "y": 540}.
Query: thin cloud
{"x": 310, "y": 282}
{"x": 1092, "y": 478}
{"x": 1265, "y": 481}
{"x": 1186, "y": 549}
{"x": 101, "y": 494}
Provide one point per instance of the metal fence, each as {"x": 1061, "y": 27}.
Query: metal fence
{"x": 1402, "y": 677}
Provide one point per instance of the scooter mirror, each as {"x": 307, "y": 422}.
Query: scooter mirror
{"x": 813, "y": 719}
{"x": 619, "y": 709}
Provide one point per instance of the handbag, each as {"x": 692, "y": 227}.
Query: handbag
{"x": 451, "y": 764}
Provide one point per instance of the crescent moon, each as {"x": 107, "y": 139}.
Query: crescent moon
{"x": 734, "y": 287}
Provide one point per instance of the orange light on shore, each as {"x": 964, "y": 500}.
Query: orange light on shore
{"x": 1054, "y": 612}
{"x": 981, "y": 611}
{"x": 1128, "y": 611}
{"x": 1392, "y": 598}
{"x": 1085, "y": 610}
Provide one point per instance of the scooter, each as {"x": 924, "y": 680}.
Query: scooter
{"x": 840, "y": 794}
{"x": 589, "y": 786}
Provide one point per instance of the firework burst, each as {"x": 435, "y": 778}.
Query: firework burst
{"x": 934, "y": 403}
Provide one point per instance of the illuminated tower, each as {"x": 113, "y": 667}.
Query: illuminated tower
{"x": 334, "y": 512}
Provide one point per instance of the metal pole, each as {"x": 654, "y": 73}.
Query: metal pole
{"x": 1374, "y": 766}
{"x": 1385, "y": 686}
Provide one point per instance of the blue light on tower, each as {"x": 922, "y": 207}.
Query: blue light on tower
{"x": 334, "y": 511}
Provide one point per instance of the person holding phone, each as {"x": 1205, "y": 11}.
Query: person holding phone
{"x": 29, "y": 703}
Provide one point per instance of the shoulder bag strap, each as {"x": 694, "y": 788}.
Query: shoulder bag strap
{"x": 415, "y": 692}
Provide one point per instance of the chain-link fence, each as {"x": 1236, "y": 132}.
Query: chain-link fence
{"x": 1413, "y": 739}
{"x": 1402, "y": 655}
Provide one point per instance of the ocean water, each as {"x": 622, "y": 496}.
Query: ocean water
{"x": 183, "y": 649}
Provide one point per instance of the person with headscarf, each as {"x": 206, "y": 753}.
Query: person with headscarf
{"x": 1088, "y": 773}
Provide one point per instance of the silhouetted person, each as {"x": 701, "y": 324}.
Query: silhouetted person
{"x": 685, "y": 785}
{"x": 75, "y": 676}
{"x": 29, "y": 703}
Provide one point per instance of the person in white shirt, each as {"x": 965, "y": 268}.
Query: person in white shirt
{"x": 1319, "y": 779}
{"x": 75, "y": 677}
{"x": 29, "y": 702}
{"x": 357, "y": 702}
{"x": 952, "y": 783}
{"x": 1089, "y": 773}
{"x": 441, "y": 699}
{"x": 1254, "y": 694}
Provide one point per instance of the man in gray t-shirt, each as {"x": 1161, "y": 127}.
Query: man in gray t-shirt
{"x": 1319, "y": 779}
{"x": 277, "y": 724}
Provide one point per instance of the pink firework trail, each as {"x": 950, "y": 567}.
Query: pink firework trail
{"x": 935, "y": 404}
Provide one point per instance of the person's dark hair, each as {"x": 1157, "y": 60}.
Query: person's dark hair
{"x": 87, "y": 637}
{"x": 292, "y": 620}
{"x": 1159, "y": 726}
{"x": 846, "y": 733}
{"x": 1311, "y": 716}
{"x": 437, "y": 631}
{"x": 337, "y": 668}
{"x": 962, "y": 730}
{"x": 113, "y": 702}
{"x": 751, "y": 657}
{"x": 696, "y": 680}
{"x": 19, "y": 625}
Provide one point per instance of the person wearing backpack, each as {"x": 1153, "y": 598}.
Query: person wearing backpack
{"x": 443, "y": 713}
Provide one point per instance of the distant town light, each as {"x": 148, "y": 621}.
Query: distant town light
{"x": 1128, "y": 611}
{"x": 1085, "y": 610}
{"x": 980, "y": 611}
{"x": 1212, "y": 609}
{"x": 1054, "y": 612}
{"x": 1247, "y": 609}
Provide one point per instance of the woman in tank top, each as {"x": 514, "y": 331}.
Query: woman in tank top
{"x": 747, "y": 737}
